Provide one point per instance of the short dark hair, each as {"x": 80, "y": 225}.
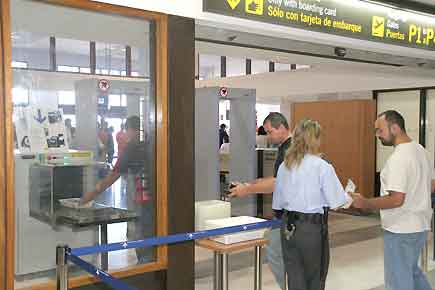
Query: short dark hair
{"x": 394, "y": 117}
{"x": 261, "y": 131}
{"x": 223, "y": 126}
{"x": 132, "y": 122}
{"x": 276, "y": 119}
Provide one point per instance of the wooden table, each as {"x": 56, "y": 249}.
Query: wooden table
{"x": 221, "y": 253}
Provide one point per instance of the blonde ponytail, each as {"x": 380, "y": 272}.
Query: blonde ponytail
{"x": 306, "y": 140}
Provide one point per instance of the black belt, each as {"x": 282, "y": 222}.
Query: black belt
{"x": 313, "y": 218}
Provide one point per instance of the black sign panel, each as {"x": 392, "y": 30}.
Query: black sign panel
{"x": 350, "y": 18}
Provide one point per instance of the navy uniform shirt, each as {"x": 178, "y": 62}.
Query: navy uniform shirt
{"x": 282, "y": 149}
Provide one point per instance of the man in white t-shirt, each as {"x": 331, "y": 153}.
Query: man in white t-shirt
{"x": 405, "y": 204}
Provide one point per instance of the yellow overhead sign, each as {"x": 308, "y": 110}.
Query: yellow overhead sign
{"x": 254, "y": 7}
{"x": 350, "y": 18}
{"x": 378, "y": 26}
{"x": 233, "y": 3}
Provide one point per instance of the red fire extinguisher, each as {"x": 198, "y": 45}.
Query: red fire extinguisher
{"x": 142, "y": 194}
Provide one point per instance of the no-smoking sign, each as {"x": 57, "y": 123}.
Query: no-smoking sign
{"x": 223, "y": 92}
{"x": 104, "y": 85}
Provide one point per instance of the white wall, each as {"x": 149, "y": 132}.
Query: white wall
{"x": 264, "y": 109}
{"x": 193, "y": 9}
{"x": 430, "y": 127}
{"x": 407, "y": 103}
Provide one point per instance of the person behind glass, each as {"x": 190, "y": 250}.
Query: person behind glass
{"x": 404, "y": 204}
{"x": 278, "y": 133}
{"x": 121, "y": 139}
{"x": 69, "y": 130}
{"x": 131, "y": 165}
{"x": 110, "y": 145}
{"x": 306, "y": 186}
{"x": 102, "y": 141}
{"x": 223, "y": 135}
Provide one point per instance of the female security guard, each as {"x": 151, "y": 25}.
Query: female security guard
{"x": 306, "y": 186}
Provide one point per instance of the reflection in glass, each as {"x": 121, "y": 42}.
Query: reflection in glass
{"x": 80, "y": 135}
{"x": 19, "y": 64}
{"x": 66, "y": 98}
{"x": 20, "y": 96}
{"x": 73, "y": 54}
{"x": 31, "y": 48}
{"x": 138, "y": 62}
{"x": 110, "y": 58}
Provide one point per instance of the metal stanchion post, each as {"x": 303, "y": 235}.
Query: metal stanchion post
{"x": 217, "y": 282}
{"x": 61, "y": 268}
{"x": 220, "y": 281}
{"x": 257, "y": 268}
{"x": 286, "y": 281}
{"x": 103, "y": 239}
{"x": 225, "y": 271}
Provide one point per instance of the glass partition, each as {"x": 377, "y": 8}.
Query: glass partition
{"x": 85, "y": 144}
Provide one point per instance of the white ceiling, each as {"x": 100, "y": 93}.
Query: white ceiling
{"x": 261, "y": 54}
{"x": 326, "y": 76}
{"x": 248, "y": 39}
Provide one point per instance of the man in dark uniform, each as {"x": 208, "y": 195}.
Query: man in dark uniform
{"x": 278, "y": 132}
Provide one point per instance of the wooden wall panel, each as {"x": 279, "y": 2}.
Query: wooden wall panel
{"x": 181, "y": 197}
{"x": 347, "y": 137}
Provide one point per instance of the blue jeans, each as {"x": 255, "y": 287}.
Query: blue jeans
{"x": 401, "y": 253}
{"x": 274, "y": 256}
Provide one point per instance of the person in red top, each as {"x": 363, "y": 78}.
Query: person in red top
{"x": 121, "y": 139}
{"x": 131, "y": 165}
{"x": 103, "y": 138}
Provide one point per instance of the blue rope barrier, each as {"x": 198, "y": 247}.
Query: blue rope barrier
{"x": 100, "y": 274}
{"x": 171, "y": 239}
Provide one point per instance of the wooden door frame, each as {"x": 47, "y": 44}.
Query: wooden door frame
{"x": 7, "y": 210}
{"x": 7, "y": 206}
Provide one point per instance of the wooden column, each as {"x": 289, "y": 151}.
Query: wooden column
{"x": 181, "y": 193}
{"x": 7, "y": 227}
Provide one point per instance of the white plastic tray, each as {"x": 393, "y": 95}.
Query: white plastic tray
{"x": 235, "y": 221}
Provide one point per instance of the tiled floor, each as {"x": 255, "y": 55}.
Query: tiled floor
{"x": 356, "y": 259}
